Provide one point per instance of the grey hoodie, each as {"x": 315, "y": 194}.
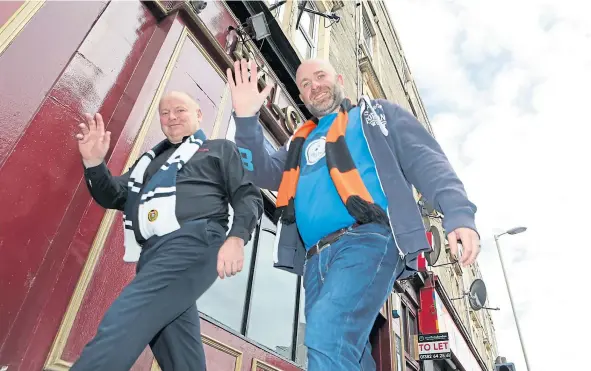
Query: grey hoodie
{"x": 404, "y": 153}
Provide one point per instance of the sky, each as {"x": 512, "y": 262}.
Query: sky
{"x": 505, "y": 84}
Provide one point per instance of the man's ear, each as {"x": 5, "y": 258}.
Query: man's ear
{"x": 199, "y": 114}
{"x": 341, "y": 79}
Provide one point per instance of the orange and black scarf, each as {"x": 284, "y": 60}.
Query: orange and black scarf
{"x": 341, "y": 167}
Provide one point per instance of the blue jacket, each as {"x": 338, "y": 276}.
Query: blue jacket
{"x": 404, "y": 153}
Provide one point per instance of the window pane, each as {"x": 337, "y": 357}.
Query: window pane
{"x": 231, "y": 133}
{"x": 278, "y": 12}
{"x": 302, "y": 45}
{"x": 301, "y": 350}
{"x": 413, "y": 330}
{"x": 309, "y": 21}
{"x": 366, "y": 30}
{"x": 313, "y": 26}
{"x": 225, "y": 299}
{"x": 272, "y": 306}
{"x": 306, "y": 24}
{"x": 405, "y": 328}
{"x": 269, "y": 147}
{"x": 367, "y": 35}
{"x": 398, "y": 353}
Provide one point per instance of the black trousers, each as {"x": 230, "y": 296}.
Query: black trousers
{"x": 159, "y": 306}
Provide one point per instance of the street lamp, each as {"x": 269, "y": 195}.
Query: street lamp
{"x": 512, "y": 231}
{"x": 515, "y": 230}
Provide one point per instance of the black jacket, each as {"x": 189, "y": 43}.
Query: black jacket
{"x": 213, "y": 178}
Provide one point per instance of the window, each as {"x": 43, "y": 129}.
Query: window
{"x": 306, "y": 36}
{"x": 261, "y": 302}
{"x": 278, "y": 13}
{"x": 270, "y": 144}
{"x": 398, "y": 353}
{"x": 273, "y": 301}
{"x": 225, "y": 300}
{"x": 368, "y": 33}
{"x": 410, "y": 328}
{"x": 301, "y": 356}
{"x": 397, "y": 332}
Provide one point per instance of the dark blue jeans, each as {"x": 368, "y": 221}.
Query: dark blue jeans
{"x": 345, "y": 285}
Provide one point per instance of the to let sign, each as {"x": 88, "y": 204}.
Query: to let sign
{"x": 433, "y": 346}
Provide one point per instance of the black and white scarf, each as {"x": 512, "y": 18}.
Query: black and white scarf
{"x": 151, "y": 209}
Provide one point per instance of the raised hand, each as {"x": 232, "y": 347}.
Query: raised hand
{"x": 93, "y": 140}
{"x": 246, "y": 98}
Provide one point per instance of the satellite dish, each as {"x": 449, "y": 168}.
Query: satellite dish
{"x": 433, "y": 256}
{"x": 477, "y": 294}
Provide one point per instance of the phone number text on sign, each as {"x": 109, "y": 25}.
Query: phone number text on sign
{"x": 426, "y": 357}
{"x": 434, "y": 346}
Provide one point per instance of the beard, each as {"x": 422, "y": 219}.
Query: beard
{"x": 336, "y": 94}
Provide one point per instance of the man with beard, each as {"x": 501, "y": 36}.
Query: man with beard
{"x": 348, "y": 219}
{"x": 175, "y": 214}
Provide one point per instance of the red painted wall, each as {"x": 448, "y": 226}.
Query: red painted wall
{"x": 41, "y": 250}
{"x": 7, "y": 9}
{"x": 428, "y": 312}
{"x": 52, "y": 36}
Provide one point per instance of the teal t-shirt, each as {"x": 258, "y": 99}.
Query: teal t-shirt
{"x": 318, "y": 206}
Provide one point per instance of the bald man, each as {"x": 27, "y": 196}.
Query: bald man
{"x": 175, "y": 214}
{"x": 348, "y": 218}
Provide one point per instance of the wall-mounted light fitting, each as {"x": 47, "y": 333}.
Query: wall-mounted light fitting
{"x": 257, "y": 26}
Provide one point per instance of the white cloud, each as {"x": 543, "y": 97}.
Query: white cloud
{"x": 506, "y": 86}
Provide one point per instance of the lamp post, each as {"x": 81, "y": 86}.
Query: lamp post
{"x": 512, "y": 231}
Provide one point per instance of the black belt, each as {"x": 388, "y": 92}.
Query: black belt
{"x": 328, "y": 240}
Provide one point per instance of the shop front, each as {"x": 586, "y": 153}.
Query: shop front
{"x": 61, "y": 254}
{"x": 438, "y": 316}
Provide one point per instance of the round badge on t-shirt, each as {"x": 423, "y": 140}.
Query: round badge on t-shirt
{"x": 315, "y": 151}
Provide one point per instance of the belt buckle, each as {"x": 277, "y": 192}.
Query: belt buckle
{"x": 320, "y": 248}
{"x": 316, "y": 247}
